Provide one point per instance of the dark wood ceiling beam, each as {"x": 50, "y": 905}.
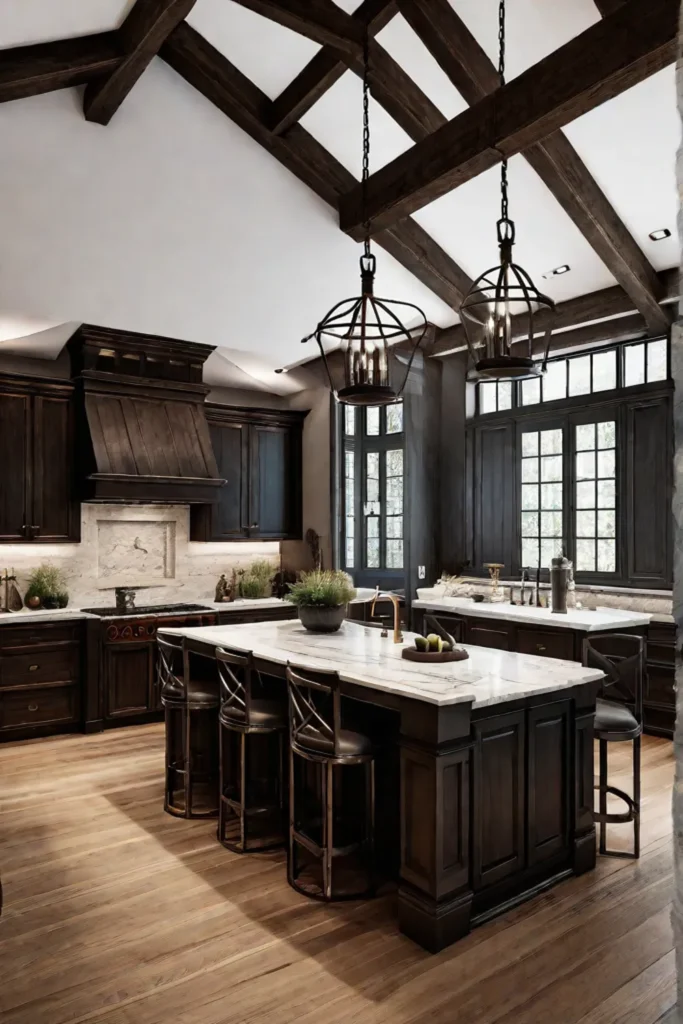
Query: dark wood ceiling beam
{"x": 188, "y": 53}
{"x": 320, "y": 20}
{"x": 45, "y": 67}
{"x": 326, "y": 68}
{"x": 600, "y": 63}
{"x": 555, "y": 160}
{"x": 607, "y": 7}
{"x": 148, "y": 24}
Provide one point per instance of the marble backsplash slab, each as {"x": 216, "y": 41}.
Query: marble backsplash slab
{"x": 145, "y": 546}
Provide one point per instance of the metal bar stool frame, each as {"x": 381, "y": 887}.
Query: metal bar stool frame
{"x": 173, "y": 673}
{"x": 305, "y": 715}
{"x": 618, "y": 668}
{"x": 236, "y": 695}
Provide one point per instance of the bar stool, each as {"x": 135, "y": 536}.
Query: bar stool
{"x": 190, "y": 711}
{"x": 316, "y": 735}
{"x": 621, "y": 656}
{"x": 251, "y": 785}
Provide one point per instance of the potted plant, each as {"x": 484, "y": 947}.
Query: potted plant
{"x": 321, "y": 597}
{"x": 47, "y": 583}
{"x": 257, "y": 580}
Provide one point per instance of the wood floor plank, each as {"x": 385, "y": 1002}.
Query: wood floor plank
{"x": 116, "y": 913}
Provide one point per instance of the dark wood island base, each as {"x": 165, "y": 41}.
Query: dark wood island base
{"x": 484, "y": 807}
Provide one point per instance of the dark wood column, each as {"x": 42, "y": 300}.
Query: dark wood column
{"x": 584, "y": 828}
{"x": 435, "y": 896}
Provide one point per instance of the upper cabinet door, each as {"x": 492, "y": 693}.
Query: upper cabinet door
{"x": 15, "y": 466}
{"x": 275, "y": 482}
{"x": 55, "y": 514}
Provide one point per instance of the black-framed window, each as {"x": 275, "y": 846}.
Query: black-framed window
{"x": 372, "y": 492}
{"x": 588, "y": 373}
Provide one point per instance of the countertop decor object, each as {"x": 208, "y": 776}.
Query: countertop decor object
{"x": 494, "y": 572}
{"x": 48, "y": 583}
{"x": 435, "y": 646}
{"x": 321, "y": 597}
{"x": 559, "y": 583}
{"x": 364, "y": 327}
{"x": 427, "y": 657}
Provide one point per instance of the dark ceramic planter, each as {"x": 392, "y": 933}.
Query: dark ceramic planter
{"x": 322, "y": 620}
{"x": 51, "y": 601}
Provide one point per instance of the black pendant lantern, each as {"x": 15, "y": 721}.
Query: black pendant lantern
{"x": 366, "y": 326}
{"x": 500, "y": 312}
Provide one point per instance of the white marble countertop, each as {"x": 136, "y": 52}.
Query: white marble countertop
{"x": 59, "y": 614}
{"x": 361, "y": 655}
{"x": 581, "y": 619}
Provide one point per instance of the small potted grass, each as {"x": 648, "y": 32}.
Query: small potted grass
{"x": 321, "y": 597}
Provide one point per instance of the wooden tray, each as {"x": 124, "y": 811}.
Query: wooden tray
{"x": 412, "y": 654}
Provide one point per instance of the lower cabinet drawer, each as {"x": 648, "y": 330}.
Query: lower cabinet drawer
{"x": 49, "y": 665}
{"x": 20, "y": 709}
{"x": 659, "y": 687}
{"x": 489, "y": 636}
{"x": 546, "y": 644}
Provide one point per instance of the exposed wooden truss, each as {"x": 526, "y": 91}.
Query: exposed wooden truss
{"x": 323, "y": 70}
{"x": 141, "y": 35}
{"x": 607, "y": 7}
{"x": 554, "y": 159}
{"x": 44, "y": 67}
{"x": 218, "y": 80}
{"x": 320, "y": 20}
{"x": 591, "y": 68}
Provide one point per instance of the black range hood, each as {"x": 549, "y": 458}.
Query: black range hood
{"x": 142, "y": 430}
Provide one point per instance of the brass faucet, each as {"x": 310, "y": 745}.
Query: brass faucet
{"x": 398, "y": 635}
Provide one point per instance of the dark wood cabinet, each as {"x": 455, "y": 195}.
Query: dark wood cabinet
{"x": 496, "y": 635}
{"x": 499, "y": 798}
{"x": 546, "y": 642}
{"x": 37, "y": 458}
{"x": 258, "y": 452}
{"x": 129, "y": 679}
{"x": 548, "y": 813}
{"x": 649, "y": 454}
{"x": 660, "y": 684}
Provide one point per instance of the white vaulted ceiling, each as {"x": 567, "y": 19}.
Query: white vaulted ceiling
{"x": 171, "y": 220}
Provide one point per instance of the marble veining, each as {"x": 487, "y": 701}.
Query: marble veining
{"x": 361, "y": 655}
{"x": 134, "y": 552}
{"x": 580, "y": 619}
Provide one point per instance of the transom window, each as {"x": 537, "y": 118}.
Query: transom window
{"x": 596, "y": 472}
{"x": 607, "y": 369}
{"x": 542, "y": 503}
{"x": 373, "y": 474}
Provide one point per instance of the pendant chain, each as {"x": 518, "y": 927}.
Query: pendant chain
{"x": 366, "y": 138}
{"x": 501, "y": 77}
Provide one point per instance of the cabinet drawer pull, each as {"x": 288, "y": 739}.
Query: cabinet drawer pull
{"x": 33, "y": 707}
{"x": 33, "y": 668}
{"x": 540, "y": 647}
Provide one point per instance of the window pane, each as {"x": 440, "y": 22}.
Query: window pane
{"x": 487, "y": 398}
{"x": 551, "y": 468}
{"x": 551, "y": 442}
{"x": 549, "y": 549}
{"x": 634, "y": 365}
{"x": 585, "y": 437}
{"x": 530, "y": 553}
{"x": 585, "y": 524}
{"x": 372, "y": 524}
{"x": 585, "y": 556}
{"x": 395, "y": 418}
{"x": 394, "y": 526}
{"x": 551, "y": 524}
{"x": 530, "y": 443}
{"x": 530, "y": 496}
{"x": 605, "y": 370}
{"x": 606, "y": 494}
{"x": 607, "y": 524}
{"x": 349, "y": 552}
{"x": 372, "y": 553}
{"x": 555, "y": 381}
{"x": 394, "y": 554}
{"x": 607, "y": 558}
{"x": 349, "y": 505}
{"x": 585, "y": 495}
{"x": 349, "y": 419}
{"x": 656, "y": 360}
{"x": 371, "y": 479}
{"x": 531, "y": 391}
{"x": 580, "y": 375}
{"x": 395, "y": 462}
{"x": 505, "y": 394}
{"x": 394, "y": 483}
{"x": 529, "y": 471}
{"x": 372, "y": 420}
{"x": 530, "y": 524}
{"x": 606, "y": 463}
{"x": 607, "y": 435}
{"x": 551, "y": 496}
{"x": 585, "y": 465}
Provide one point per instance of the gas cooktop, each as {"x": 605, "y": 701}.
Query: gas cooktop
{"x": 149, "y": 609}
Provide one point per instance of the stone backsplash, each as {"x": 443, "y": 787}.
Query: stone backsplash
{"x": 145, "y": 546}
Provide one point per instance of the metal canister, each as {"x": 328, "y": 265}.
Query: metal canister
{"x": 559, "y": 583}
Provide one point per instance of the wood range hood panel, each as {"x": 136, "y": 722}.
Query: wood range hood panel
{"x": 143, "y": 433}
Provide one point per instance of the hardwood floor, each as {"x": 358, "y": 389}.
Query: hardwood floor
{"x": 116, "y": 913}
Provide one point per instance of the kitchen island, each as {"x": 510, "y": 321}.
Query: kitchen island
{"x": 494, "y": 755}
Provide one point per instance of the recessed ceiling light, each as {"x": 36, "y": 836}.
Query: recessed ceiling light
{"x": 281, "y": 369}
{"x": 659, "y": 234}
{"x": 558, "y": 271}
